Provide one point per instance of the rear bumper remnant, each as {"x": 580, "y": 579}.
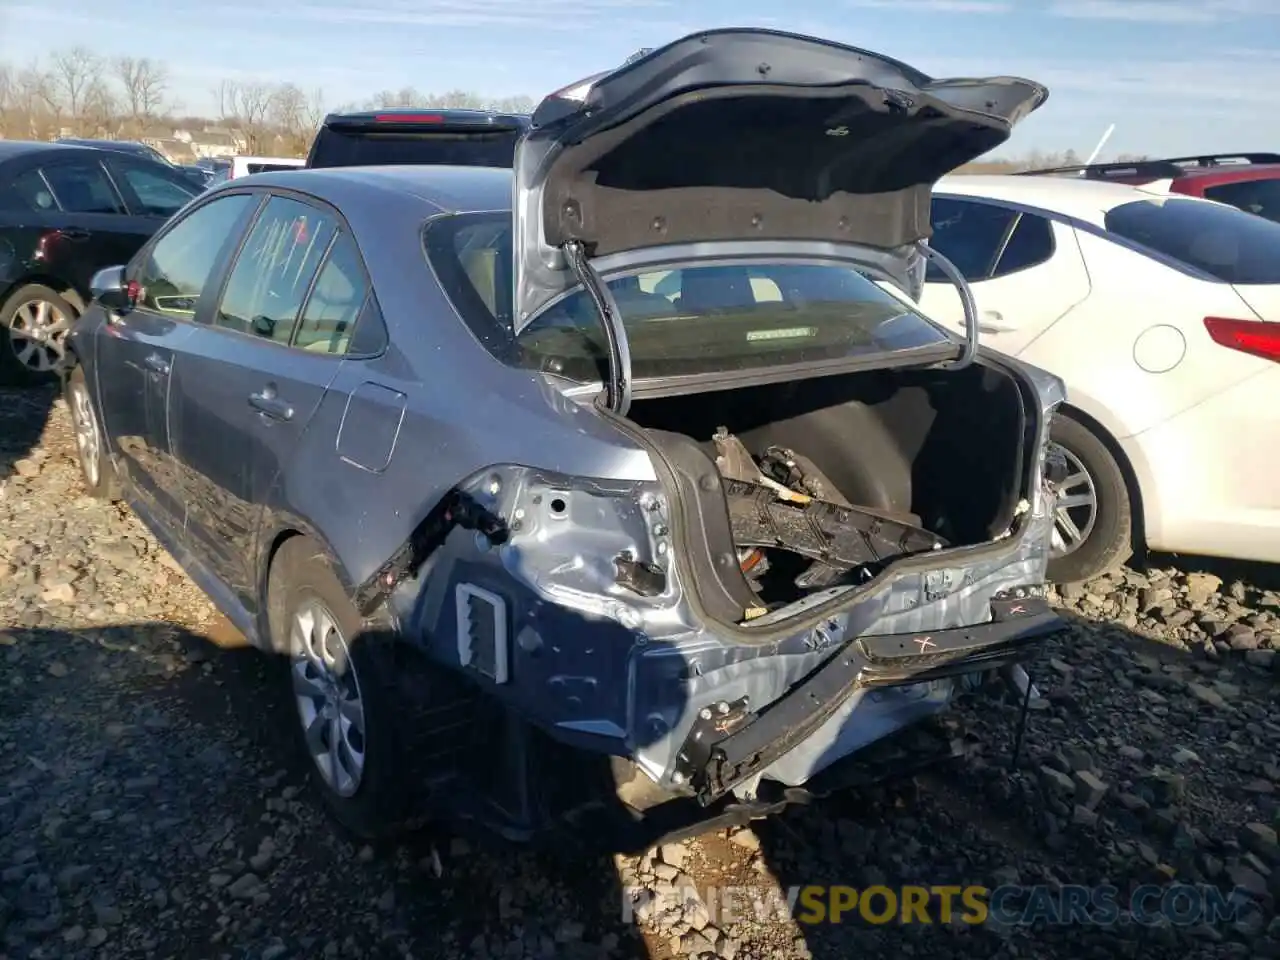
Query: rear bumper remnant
{"x": 730, "y": 743}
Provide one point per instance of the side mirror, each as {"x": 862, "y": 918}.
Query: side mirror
{"x": 108, "y": 287}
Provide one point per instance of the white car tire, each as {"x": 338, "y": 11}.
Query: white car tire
{"x": 1107, "y": 540}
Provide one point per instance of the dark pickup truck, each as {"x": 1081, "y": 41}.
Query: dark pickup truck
{"x": 473, "y": 138}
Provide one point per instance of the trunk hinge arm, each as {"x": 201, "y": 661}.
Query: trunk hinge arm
{"x": 970, "y": 349}
{"x": 618, "y": 380}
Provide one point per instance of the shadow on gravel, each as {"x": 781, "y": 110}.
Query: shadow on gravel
{"x": 176, "y": 786}
{"x": 1105, "y": 794}
{"x": 163, "y": 810}
{"x": 23, "y": 415}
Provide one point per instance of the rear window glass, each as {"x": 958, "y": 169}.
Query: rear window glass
{"x": 1223, "y": 242}
{"x": 354, "y": 148}
{"x": 1261, "y": 197}
{"x": 706, "y": 319}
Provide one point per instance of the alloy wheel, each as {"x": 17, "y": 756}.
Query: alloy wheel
{"x": 1076, "y": 511}
{"x": 327, "y": 692}
{"x": 37, "y": 335}
{"x": 88, "y": 437}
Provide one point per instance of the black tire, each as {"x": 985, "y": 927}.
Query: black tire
{"x": 96, "y": 468}
{"x": 1110, "y": 543}
{"x": 13, "y": 372}
{"x": 384, "y": 801}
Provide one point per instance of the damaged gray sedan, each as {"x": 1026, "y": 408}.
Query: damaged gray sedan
{"x": 627, "y": 481}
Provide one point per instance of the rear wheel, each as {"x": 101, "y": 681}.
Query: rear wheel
{"x": 34, "y": 323}
{"x": 342, "y": 683}
{"x": 1093, "y": 522}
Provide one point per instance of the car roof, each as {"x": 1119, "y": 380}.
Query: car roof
{"x": 94, "y": 141}
{"x": 1087, "y": 200}
{"x": 17, "y": 148}
{"x": 452, "y": 189}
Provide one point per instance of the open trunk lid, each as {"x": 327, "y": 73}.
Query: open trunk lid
{"x": 740, "y": 141}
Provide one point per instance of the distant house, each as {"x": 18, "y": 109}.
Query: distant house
{"x": 211, "y": 141}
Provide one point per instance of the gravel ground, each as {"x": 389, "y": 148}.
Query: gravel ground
{"x": 149, "y": 806}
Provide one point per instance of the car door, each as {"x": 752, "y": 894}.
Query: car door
{"x": 249, "y": 380}
{"x": 62, "y": 217}
{"x": 135, "y": 349}
{"x": 1025, "y": 271}
{"x": 94, "y": 226}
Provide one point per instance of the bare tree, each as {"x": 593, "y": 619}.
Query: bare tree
{"x": 38, "y": 94}
{"x": 7, "y": 83}
{"x": 513, "y": 105}
{"x": 245, "y": 107}
{"x": 100, "y": 112}
{"x": 404, "y": 97}
{"x": 252, "y": 105}
{"x": 457, "y": 99}
{"x": 289, "y": 115}
{"x": 225, "y": 97}
{"x": 78, "y": 89}
{"x": 74, "y": 72}
{"x": 145, "y": 82}
{"x": 287, "y": 108}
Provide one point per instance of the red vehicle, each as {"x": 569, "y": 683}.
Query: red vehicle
{"x": 1249, "y": 181}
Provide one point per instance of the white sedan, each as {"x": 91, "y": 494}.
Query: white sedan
{"x": 1162, "y": 315}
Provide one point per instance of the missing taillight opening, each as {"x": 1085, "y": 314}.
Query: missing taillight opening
{"x": 1260, "y": 338}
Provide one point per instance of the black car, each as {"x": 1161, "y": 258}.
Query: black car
{"x": 464, "y": 138}
{"x": 201, "y": 177}
{"x": 65, "y": 212}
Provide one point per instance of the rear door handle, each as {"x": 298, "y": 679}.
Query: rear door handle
{"x": 269, "y": 405}
{"x": 992, "y": 321}
{"x": 78, "y": 234}
{"x": 157, "y": 363}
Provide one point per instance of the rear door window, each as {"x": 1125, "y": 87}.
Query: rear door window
{"x": 1030, "y": 245}
{"x": 335, "y": 302}
{"x": 82, "y": 186}
{"x": 274, "y": 269}
{"x": 968, "y": 234}
{"x": 1226, "y": 243}
{"x": 1260, "y": 197}
{"x": 158, "y": 191}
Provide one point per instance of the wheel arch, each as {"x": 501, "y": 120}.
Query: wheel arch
{"x": 61, "y": 287}
{"x": 269, "y": 551}
{"x": 1131, "y": 482}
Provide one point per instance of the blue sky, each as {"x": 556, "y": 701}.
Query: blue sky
{"x": 1175, "y": 76}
